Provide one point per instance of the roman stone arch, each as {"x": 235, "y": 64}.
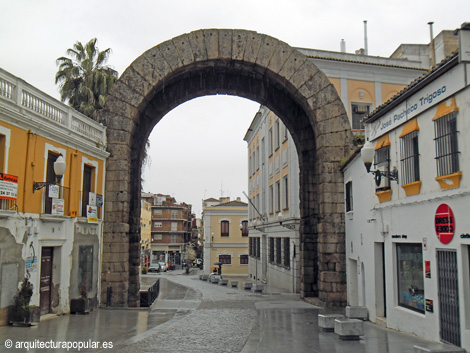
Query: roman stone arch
{"x": 246, "y": 64}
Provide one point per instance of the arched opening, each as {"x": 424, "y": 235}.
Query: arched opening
{"x": 244, "y": 64}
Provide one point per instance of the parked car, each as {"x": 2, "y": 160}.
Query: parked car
{"x": 163, "y": 266}
{"x": 154, "y": 268}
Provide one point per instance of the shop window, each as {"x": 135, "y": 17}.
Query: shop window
{"x": 243, "y": 259}
{"x": 410, "y": 276}
{"x": 447, "y": 152}
{"x": 286, "y": 252}
{"x": 224, "y": 228}
{"x": 278, "y": 251}
{"x": 271, "y": 249}
{"x": 225, "y": 259}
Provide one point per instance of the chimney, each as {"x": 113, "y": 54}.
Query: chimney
{"x": 366, "y": 50}
{"x": 433, "y": 54}
{"x": 343, "y": 46}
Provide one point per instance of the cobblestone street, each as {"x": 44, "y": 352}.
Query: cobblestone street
{"x": 191, "y": 315}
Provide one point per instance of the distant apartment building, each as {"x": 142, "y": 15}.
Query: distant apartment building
{"x": 171, "y": 228}
{"x": 145, "y": 232}
{"x": 363, "y": 83}
{"x": 225, "y": 227}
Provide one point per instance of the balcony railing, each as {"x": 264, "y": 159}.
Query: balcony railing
{"x": 24, "y": 98}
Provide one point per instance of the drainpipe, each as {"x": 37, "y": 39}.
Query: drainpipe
{"x": 26, "y": 167}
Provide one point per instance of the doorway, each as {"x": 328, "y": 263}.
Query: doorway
{"x": 448, "y": 294}
{"x": 46, "y": 280}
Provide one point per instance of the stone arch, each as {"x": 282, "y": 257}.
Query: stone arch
{"x": 246, "y": 64}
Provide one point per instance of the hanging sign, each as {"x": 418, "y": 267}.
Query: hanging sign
{"x": 53, "y": 191}
{"x": 8, "y": 186}
{"x": 92, "y": 198}
{"x": 444, "y": 223}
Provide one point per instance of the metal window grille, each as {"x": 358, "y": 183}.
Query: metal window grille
{"x": 359, "y": 111}
{"x": 447, "y": 152}
{"x": 410, "y": 158}
{"x": 271, "y": 249}
{"x": 287, "y": 252}
{"x": 278, "y": 251}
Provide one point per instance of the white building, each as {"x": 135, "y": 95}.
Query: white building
{"x": 363, "y": 83}
{"x": 408, "y": 240}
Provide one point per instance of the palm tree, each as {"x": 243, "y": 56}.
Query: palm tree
{"x": 84, "y": 79}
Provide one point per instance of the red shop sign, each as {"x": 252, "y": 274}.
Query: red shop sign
{"x": 444, "y": 223}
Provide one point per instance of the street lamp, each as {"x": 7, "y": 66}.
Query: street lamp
{"x": 59, "y": 170}
{"x": 367, "y": 155}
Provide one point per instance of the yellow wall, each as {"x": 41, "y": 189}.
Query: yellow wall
{"x": 27, "y": 160}
{"x": 234, "y": 238}
{"x": 389, "y": 90}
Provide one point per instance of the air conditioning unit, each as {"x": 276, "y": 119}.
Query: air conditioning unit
{"x": 381, "y": 183}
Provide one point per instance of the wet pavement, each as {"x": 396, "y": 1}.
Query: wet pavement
{"x": 196, "y": 316}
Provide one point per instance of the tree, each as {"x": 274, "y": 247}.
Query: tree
{"x": 84, "y": 78}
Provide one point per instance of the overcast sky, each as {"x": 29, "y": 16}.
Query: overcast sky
{"x": 205, "y": 155}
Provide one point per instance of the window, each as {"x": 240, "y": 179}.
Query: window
{"x": 157, "y": 212}
{"x": 284, "y": 133}
{"x": 225, "y": 259}
{"x": 257, "y": 158}
{"x": 243, "y": 259}
{"x": 349, "y": 197}
{"x": 224, "y": 228}
{"x": 244, "y": 228}
{"x": 276, "y": 134}
{"x": 410, "y": 276}
{"x": 157, "y": 224}
{"x": 447, "y": 152}
{"x": 174, "y": 238}
{"x": 409, "y": 153}
{"x": 287, "y": 252}
{"x": 174, "y": 225}
{"x": 278, "y": 196}
{"x": 382, "y": 162}
{"x": 286, "y": 192}
{"x": 271, "y": 199}
{"x": 358, "y": 112}
{"x": 258, "y": 247}
{"x": 157, "y": 236}
{"x": 270, "y": 141}
{"x": 278, "y": 251}
{"x": 174, "y": 214}
{"x": 51, "y": 178}
{"x": 250, "y": 246}
{"x": 271, "y": 249}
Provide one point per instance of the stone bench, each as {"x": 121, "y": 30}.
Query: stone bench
{"x": 437, "y": 348}
{"x": 327, "y": 321}
{"x": 223, "y": 282}
{"x": 258, "y": 288}
{"x": 356, "y": 312}
{"x": 214, "y": 280}
{"x": 234, "y": 284}
{"x": 349, "y": 329}
{"x": 247, "y": 285}
{"x": 203, "y": 277}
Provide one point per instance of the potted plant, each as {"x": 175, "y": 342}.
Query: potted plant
{"x": 21, "y": 313}
{"x": 81, "y": 305}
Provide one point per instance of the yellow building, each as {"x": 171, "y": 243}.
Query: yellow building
{"x": 225, "y": 225}
{"x": 145, "y": 232}
{"x": 50, "y": 226}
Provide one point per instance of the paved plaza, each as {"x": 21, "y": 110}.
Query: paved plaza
{"x": 191, "y": 315}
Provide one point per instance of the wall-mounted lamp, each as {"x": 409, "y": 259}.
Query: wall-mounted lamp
{"x": 59, "y": 170}
{"x": 367, "y": 154}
